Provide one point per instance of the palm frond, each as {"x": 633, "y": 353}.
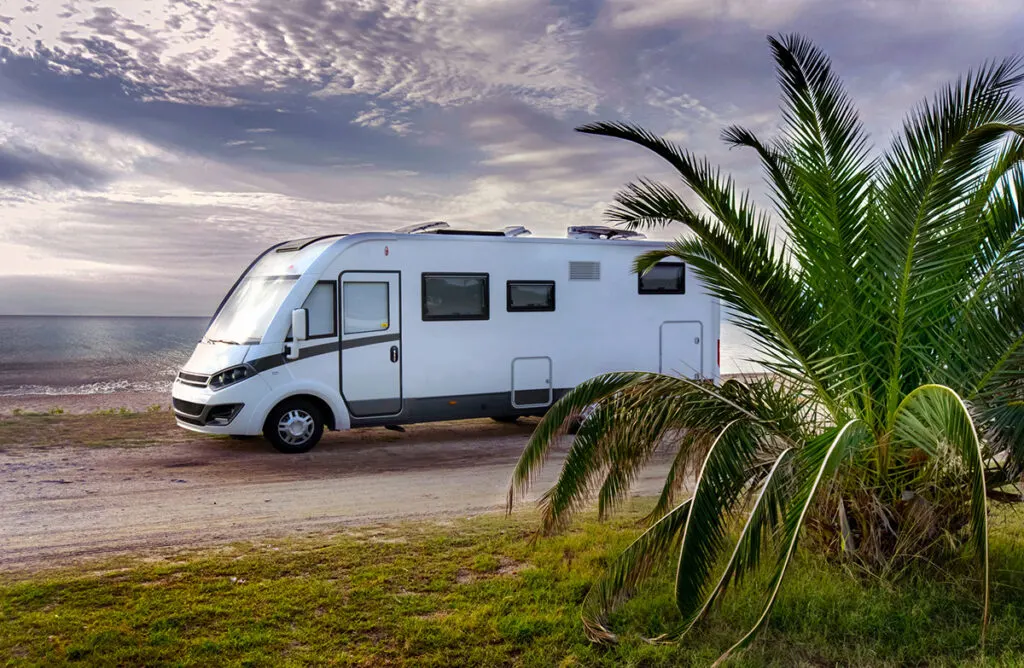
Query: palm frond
{"x": 555, "y": 423}
{"x": 629, "y": 570}
{"x": 817, "y": 462}
{"x": 765, "y": 518}
{"x": 932, "y": 417}
{"x": 721, "y": 481}
{"x": 927, "y": 179}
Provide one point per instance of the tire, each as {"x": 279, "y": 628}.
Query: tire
{"x": 294, "y": 426}
{"x": 506, "y": 419}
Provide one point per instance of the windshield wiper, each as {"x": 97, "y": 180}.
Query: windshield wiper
{"x": 233, "y": 343}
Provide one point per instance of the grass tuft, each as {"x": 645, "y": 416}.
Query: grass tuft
{"x": 475, "y": 592}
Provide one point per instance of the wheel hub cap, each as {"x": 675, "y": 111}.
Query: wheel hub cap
{"x": 295, "y": 427}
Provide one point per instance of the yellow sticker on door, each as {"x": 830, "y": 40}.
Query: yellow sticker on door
{"x": 383, "y": 325}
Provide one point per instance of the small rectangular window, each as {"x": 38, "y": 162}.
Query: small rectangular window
{"x": 455, "y": 297}
{"x": 664, "y": 278}
{"x": 321, "y": 314}
{"x": 531, "y": 295}
{"x": 365, "y": 307}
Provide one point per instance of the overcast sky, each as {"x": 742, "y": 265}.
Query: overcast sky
{"x": 149, "y": 149}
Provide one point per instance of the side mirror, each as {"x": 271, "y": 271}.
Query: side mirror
{"x": 299, "y": 332}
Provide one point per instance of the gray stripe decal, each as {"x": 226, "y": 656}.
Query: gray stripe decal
{"x": 456, "y": 407}
{"x": 374, "y": 407}
{"x": 272, "y": 361}
{"x": 321, "y": 349}
{"x": 369, "y": 341}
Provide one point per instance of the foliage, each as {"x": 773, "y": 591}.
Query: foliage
{"x": 883, "y": 294}
{"x": 423, "y": 594}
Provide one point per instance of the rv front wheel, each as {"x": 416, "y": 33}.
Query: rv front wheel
{"x": 294, "y": 426}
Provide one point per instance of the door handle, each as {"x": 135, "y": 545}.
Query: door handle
{"x": 394, "y": 353}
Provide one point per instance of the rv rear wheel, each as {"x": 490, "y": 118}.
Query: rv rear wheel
{"x": 294, "y": 426}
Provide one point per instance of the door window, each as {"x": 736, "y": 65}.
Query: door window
{"x": 365, "y": 307}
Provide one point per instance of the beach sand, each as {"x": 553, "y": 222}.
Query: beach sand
{"x": 85, "y": 403}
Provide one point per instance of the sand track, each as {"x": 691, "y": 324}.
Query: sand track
{"x": 64, "y": 504}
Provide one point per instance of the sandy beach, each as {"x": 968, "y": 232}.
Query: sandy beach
{"x": 84, "y": 403}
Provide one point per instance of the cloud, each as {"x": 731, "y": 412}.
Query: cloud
{"x": 775, "y": 14}
{"x": 158, "y": 146}
{"x": 406, "y": 53}
{"x": 21, "y": 166}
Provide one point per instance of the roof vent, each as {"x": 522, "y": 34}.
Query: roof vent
{"x": 422, "y": 227}
{"x": 584, "y": 271}
{"x": 601, "y": 232}
{"x": 516, "y": 230}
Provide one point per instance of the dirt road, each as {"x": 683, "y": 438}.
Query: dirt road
{"x": 68, "y": 503}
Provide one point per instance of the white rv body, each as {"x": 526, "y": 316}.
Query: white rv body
{"x": 374, "y": 354}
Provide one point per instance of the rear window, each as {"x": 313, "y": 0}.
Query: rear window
{"x": 531, "y": 296}
{"x": 664, "y": 278}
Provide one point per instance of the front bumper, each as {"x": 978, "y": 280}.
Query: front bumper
{"x": 231, "y": 410}
{"x": 202, "y": 415}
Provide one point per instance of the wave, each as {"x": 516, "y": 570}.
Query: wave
{"x": 102, "y": 387}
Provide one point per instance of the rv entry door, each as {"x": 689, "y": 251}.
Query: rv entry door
{"x": 371, "y": 342}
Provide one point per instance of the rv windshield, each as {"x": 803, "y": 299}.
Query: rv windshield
{"x": 248, "y": 311}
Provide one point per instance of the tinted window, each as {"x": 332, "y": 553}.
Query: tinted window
{"x": 664, "y": 278}
{"x": 365, "y": 307}
{"x": 320, "y": 311}
{"x": 531, "y": 296}
{"x": 455, "y": 297}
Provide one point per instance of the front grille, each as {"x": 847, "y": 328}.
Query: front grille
{"x": 196, "y": 379}
{"x": 187, "y": 407}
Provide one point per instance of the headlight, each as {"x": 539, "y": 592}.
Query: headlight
{"x": 231, "y": 376}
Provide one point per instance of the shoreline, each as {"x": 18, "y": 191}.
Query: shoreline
{"x": 132, "y": 400}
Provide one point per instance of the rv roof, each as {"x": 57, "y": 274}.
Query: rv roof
{"x": 299, "y": 244}
{"x": 479, "y": 233}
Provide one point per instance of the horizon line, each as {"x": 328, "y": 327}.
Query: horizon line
{"x": 95, "y": 315}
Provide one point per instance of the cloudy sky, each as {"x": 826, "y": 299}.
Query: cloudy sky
{"x": 148, "y": 149}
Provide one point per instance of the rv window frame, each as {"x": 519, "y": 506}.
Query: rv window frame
{"x": 334, "y": 308}
{"x": 528, "y": 309}
{"x": 454, "y": 274}
{"x": 387, "y": 297}
{"x": 681, "y": 290}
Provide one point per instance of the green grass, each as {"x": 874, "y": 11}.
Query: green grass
{"x": 475, "y": 592}
{"x": 119, "y": 427}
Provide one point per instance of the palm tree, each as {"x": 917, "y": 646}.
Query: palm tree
{"x": 885, "y": 296}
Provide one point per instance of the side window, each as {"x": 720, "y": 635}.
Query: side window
{"x": 320, "y": 310}
{"x": 530, "y": 296}
{"x": 365, "y": 307}
{"x": 455, "y": 297}
{"x": 664, "y": 278}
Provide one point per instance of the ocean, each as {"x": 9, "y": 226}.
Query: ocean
{"x": 61, "y": 355}
{"x": 67, "y": 355}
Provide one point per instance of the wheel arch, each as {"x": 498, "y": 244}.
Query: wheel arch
{"x": 334, "y": 414}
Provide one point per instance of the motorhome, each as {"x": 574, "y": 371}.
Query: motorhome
{"x": 431, "y": 323}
